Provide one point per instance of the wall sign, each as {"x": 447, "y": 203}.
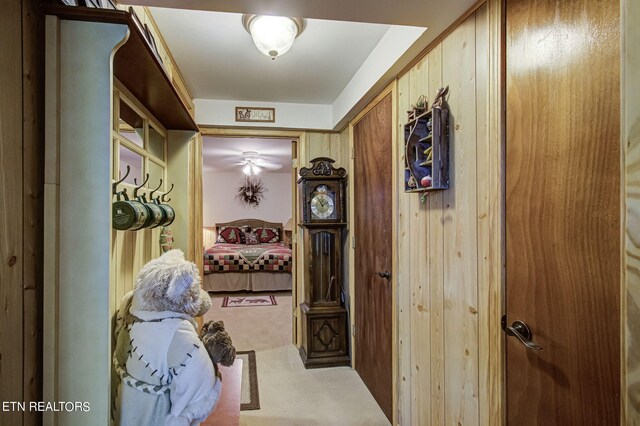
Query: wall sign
{"x": 256, "y": 114}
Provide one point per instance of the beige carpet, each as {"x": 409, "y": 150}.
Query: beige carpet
{"x": 290, "y": 394}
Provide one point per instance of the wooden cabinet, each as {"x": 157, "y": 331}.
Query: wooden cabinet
{"x": 324, "y": 317}
{"x": 426, "y": 137}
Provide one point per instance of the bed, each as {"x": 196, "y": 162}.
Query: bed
{"x": 236, "y": 261}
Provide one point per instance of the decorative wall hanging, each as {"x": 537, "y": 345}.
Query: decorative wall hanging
{"x": 255, "y": 114}
{"x": 426, "y": 137}
{"x": 251, "y": 191}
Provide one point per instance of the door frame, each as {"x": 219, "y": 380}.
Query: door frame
{"x": 297, "y": 137}
{"x": 391, "y": 90}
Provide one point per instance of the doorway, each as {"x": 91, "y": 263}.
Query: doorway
{"x": 247, "y": 187}
{"x": 562, "y": 212}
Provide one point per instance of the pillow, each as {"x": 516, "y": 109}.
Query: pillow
{"x": 230, "y": 234}
{"x": 268, "y": 235}
{"x": 250, "y": 238}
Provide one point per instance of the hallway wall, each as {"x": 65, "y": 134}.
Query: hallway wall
{"x": 21, "y": 206}
{"x": 449, "y": 246}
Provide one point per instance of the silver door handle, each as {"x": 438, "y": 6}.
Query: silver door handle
{"x": 385, "y": 274}
{"x": 523, "y": 333}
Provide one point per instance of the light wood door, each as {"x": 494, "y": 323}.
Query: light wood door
{"x": 562, "y": 211}
{"x": 372, "y": 212}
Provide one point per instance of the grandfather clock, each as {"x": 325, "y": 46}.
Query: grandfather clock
{"x": 324, "y": 317}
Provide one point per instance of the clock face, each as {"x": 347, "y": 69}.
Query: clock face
{"x": 322, "y": 206}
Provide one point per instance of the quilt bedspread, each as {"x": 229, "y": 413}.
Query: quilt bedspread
{"x": 223, "y": 257}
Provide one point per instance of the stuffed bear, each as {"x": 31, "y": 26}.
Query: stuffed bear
{"x": 166, "y": 375}
{"x": 218, "y": 344}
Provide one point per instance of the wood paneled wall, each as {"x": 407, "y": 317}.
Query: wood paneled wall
{"x": 130, "y": 251}
{"x": 630, "y": 114}
{"x": 449, "y": 248}
{"x": 21, "y": 206}
{"x": 325, "y": 144}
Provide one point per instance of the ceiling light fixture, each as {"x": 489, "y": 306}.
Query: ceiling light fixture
{"x": 251, "y": 169}
{"x": 273, "y": 35}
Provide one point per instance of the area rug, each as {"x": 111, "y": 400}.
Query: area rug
{"x": 249, "y": 396}
{"x": 243, "y": 301}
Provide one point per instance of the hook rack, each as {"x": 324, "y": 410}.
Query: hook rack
{"x": 137, "y": 188}
{"x": 115, "y": 184}
{"x": 163, "y": 198}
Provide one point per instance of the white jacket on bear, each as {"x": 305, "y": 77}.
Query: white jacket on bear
{"x": 168, "y": 378}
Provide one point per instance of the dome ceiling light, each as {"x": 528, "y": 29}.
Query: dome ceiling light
{"x": 273, "y": 35}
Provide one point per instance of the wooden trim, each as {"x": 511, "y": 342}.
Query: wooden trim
{"x": 379, "y": 97}
{"x": 491, "y": 337}
{"x": 33, "y": 40}
{"x": 295, "y": 340}
{"x": 251, "y": 132}
{"x": 352, "y": 251}
{"x": 182, "y": 83}
{"x": 395, "y": 364}
{"x": 441, "y": 37}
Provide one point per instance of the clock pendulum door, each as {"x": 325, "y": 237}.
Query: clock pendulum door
{"x": 324, "y": 319}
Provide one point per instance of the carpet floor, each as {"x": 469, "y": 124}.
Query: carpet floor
{"x": 289, "y": 393}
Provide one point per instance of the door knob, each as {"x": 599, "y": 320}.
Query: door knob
{"x": 523, "y": 333}
{"x": 385, "y": 274}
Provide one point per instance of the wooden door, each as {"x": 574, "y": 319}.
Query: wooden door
{"x": 563, "y": 210}
{"x": 372, "y": 214}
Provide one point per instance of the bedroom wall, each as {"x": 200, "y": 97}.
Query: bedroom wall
{"x": 220, "y": 204}
{"x": 449, "y": 260}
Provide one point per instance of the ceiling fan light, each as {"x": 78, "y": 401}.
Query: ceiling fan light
{"x": 273, "y": 35}
{"x": 255, "y": 169}
{"x": 247, "y": 170}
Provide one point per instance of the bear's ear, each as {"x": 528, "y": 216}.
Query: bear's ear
{"x": 180, "y": 283}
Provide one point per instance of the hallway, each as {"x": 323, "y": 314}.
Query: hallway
{"x": 289, "y": 394}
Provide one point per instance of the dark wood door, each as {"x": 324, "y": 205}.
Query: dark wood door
{"x": 372, "y": 213}
{"x": 563, "y": 211}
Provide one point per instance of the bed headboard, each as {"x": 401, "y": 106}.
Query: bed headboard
{"x": 253, "y": 224}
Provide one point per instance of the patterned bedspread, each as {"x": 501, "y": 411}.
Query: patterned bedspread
{"x": 223, "y": 257}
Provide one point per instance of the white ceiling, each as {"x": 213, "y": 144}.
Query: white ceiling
{"x": 220, "y": 154}
{"x": 419, "y": 13}
{"x": 338, "y": 64}
{"x": 218, "y": 59}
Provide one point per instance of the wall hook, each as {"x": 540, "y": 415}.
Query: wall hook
{"x": 164, "y": 196}
{"x": 137, "y": 188}
{"x": 151, "y": 193}
{"x": 115, "y": 184}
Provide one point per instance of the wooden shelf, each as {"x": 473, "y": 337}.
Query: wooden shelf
{"x": 426, "y": 140}
{"x": 136, "y": 66}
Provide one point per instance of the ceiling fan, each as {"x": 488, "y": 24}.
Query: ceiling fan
{"x": 254, "y": 163}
